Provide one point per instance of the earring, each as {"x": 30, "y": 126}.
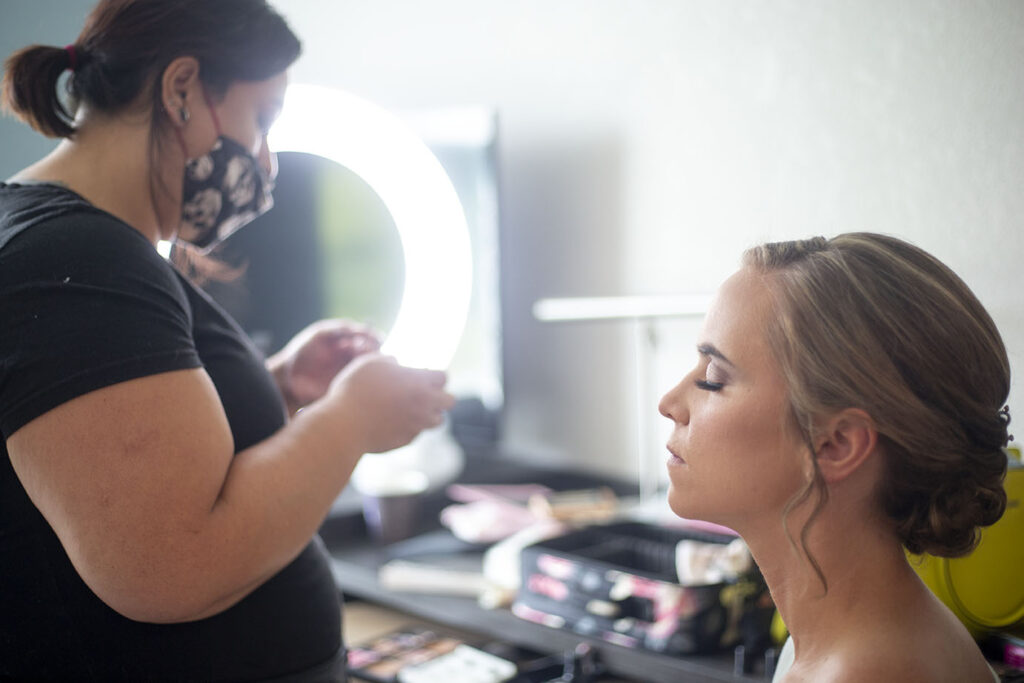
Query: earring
{"x": 183, "y": 115}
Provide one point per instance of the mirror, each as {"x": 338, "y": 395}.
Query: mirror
{"x": 384, "y": 218}
{"x": 328, "y": 248}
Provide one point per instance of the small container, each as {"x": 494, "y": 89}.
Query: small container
{"x": 391, "y": 507}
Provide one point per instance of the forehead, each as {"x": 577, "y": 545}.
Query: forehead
{"x": 738, "y": 319}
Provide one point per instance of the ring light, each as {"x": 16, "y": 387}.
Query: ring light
{"x": 382, "y": 150}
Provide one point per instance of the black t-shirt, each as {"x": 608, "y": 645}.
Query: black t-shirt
{"x": 86, "y": 302}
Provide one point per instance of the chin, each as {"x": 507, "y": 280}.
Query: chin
{"x": 687, "y": 505}
{"x": 677, "y": 501}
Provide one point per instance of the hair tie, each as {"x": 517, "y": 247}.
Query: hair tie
{"x": 72, "y": 57}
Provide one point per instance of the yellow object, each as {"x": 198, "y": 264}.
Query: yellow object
{"x": 778, "y": 629}
{"x": 986, "y": 589}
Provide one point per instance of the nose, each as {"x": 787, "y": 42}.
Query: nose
{"x": 268, "y": 159}
{"x": 673, "y": 405}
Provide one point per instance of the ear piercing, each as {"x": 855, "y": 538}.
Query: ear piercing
{"x": 182, "y": 111}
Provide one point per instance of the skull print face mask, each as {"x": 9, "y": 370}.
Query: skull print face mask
{"x": 224, "y": 189}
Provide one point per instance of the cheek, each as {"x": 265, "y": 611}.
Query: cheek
{"x": 239, "y": 127}
{"x": 739, "y": 459}
{"x": 726, "y": 427}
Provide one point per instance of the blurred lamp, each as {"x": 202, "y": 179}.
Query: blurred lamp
{"x": 381, "y": 149}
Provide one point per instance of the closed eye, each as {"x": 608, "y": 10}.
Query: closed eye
{"x": 708, "y": 386}
{"x": 715, "y": 375}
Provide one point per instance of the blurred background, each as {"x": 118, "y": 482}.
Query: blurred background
{"x": 638, "y": 147}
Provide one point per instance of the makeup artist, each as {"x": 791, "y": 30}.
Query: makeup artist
{"x": 159, "y": 493}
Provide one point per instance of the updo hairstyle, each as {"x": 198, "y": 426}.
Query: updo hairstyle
{"x": 872, "y": 322}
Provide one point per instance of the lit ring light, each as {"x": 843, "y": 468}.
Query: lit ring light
{"x": 382, "y": 150}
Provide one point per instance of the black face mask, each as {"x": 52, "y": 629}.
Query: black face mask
{"x": 224, "y": 189}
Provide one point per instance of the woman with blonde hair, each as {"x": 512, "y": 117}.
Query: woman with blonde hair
{"x": 848, "y": 406}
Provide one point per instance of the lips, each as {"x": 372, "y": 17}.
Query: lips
{"x": 675, "y": 459}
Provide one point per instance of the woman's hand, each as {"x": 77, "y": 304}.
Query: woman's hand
{"x": 387, "y": 404}
{"x": 305, "y": 367}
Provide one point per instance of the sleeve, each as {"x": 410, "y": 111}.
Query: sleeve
{"x": 85, "y": 302}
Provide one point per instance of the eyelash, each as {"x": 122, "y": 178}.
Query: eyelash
{"x": 708, "y": 386}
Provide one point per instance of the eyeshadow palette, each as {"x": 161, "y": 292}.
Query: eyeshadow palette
{"x": 414, "y": 654}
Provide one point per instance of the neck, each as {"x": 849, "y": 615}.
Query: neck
{"x": 108, "y": 164}
{"x": 866, "y": 571}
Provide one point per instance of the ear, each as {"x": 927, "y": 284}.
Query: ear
{"x": 180, "y": 88}
{"x": 846, "y": 440}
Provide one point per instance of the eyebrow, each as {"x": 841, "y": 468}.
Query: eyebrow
{"x": 710, "y": 350}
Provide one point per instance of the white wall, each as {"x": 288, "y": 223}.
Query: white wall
{"x": 645, "y": 143}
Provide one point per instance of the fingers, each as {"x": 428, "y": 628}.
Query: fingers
{"x": 356, "y": 345}
{"x": 375, "y": 357}
{"x": 432, "y": 397}
{"x": 428, "y": 401}
{"x": 439, "y": 399}
{"x": 396, "y": 402}
{"x": 435, "y": 378}
{"x": 439, "y": 407}
{"x": 348, "y": 329}
{"x": 352, "y": 344}
{"x": 444, "y": 405}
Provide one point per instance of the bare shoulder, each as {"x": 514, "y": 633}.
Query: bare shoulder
{"x": 908, "y": 668}
{"x": 905, "y": 636}
{"x": 933, "y": 648}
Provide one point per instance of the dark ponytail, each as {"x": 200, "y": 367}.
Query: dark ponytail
{"x": 30, "y": 89}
